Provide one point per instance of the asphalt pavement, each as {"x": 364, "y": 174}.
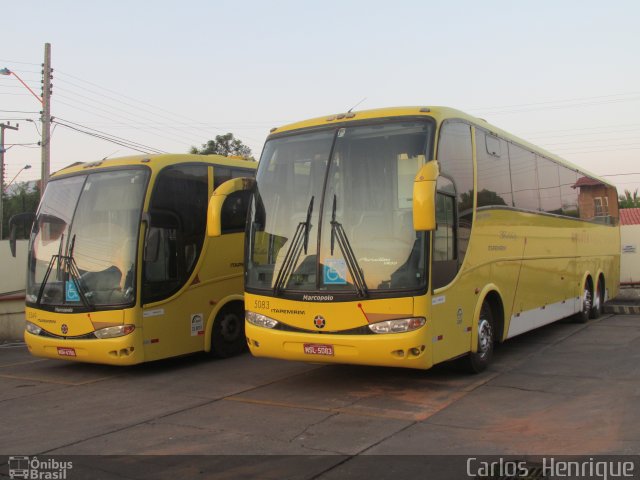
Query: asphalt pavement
{"x": 565, "y": 389}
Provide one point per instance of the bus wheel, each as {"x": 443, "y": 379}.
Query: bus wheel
{"x": 479, "y": 361}
{"x": 598, "y": 300}
{"x": 227, "y": 335}
{"x": 585, "y": 309}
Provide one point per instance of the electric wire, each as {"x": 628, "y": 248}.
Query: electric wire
{"x": 110, "y": 118}
{"x": 172, "y": 114}
{"x": 145, "y": 126}
{"x": 107, "y": 137}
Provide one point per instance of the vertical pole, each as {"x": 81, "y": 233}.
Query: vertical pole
{"x": 46, "y": 117}
{"x": 2, "y": 128}
{"x": 1, "y": 177}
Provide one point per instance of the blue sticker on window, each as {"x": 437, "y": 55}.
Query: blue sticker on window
{"x": 335, "y": 271}
{"x": 71, "y": 292}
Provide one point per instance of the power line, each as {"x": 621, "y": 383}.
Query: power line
{"x": 551, "y": 102}
{"x": 4, "y": 60}
{"x": 172, "y": 114}
{"x": 619, "y": 174}
{"x": 107, "y": 137}
{"x": 163, "y": 136}
{"x": 147, "y": 125}
{"x": 17, "y": 111}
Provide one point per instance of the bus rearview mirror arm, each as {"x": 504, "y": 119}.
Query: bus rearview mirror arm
{"x": 214, "y": 211}
{"x": 424, "y": 197}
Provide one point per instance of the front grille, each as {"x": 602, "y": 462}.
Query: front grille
{"x": 86, "y": 336}
{"x": 364, "y": 330}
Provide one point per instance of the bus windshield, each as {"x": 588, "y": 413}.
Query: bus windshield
{"x": 332, "y": 211}
{"x": 82, "y": 250}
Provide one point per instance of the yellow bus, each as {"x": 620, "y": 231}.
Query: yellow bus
{"x": 406, "y": 237}
{"x": 120, "y": 269}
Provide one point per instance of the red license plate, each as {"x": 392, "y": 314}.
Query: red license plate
{"x": 318, "y": 349}
{"x": 66, "y": 352}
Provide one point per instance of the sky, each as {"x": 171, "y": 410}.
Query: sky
{"x": 564, "y": 75}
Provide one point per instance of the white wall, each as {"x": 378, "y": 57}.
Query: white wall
{"x": 13, "y": 271}
{"x": 13, "y": 275}
{"x": 630, "y": 257}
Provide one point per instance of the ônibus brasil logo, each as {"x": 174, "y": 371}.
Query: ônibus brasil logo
{"x": 32, "y": 468}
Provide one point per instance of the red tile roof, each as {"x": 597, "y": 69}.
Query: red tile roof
{"x": 630, "y": 216}
{"x": 587, "y": 182}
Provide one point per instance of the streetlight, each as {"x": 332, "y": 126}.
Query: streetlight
{"x": 26, "y": 167}
{"x": 45, "y": 101}
{"x": 6, "y": 71}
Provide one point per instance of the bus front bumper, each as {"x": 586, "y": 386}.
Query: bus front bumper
{"x": 405, "y": 350}
{"x": 109, "y": 351}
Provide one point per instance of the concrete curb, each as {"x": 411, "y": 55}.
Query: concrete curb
{"x": 622, "y": 309}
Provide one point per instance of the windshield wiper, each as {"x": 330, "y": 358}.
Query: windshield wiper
{"x": 338, "y": 233}
{"x": 68, "y": 264}
{"x": 299, "y": 242}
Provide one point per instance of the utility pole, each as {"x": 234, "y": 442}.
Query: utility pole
{"x": 3, "y": 126}
{"x": 46, "y": 117}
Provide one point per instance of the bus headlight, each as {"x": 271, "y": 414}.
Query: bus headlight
{"x": 400, "y": 325}
{"x": 260, "y": 320}
{"x": 111, "y": 332}
{"x": 32, "y": 328}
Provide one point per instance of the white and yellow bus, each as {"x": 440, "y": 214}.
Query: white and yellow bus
{"x": 120, "y": 269}
{"x": 406, "y": 237}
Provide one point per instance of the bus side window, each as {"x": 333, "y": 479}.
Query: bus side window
{"x": 456, "y": 163}
{"x": 234, "y": 211}
{"x": 494, "y": 182}
{"x": 178, "y": 213}
{"x": 220, "y": 175}
{"x": 445, "y": 258}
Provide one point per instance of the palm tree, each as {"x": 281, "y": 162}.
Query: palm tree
{"x": 629, "y": 200}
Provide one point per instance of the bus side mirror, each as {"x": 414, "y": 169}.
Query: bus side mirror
{"x": 13, "y": 226}
{"x": 214, "y": 212}
{"x": 424, "y": 197}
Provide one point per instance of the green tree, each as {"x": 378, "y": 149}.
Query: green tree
{"x": 629, "y": 200}
{"x": 23, "y": 199}
{"x": 225, "y": 145}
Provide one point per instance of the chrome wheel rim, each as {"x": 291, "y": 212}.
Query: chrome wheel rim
{"x": 597, "y": 300}
{"x": 485, "y": 337}
{"x": 586, "y": 301}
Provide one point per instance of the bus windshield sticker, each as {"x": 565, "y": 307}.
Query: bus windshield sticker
{"x": 341, "y": 132}
{"x": 71, "y": 292}
{"x": 197, "y": 324}
{"x": 438, "y": 300}
{"x": 335, "y": 271}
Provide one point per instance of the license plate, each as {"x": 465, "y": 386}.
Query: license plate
{"x": 66, "y": 352}
{"x": 318, "y": 349}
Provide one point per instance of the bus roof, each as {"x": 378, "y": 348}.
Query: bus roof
{"x": 439, "y": 114}
{"x": 155, "y": 162}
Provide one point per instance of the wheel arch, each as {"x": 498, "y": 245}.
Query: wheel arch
{"x": 587, "y": 279}
{"x": 233, "y": 300}
{"x": 493, "y": 296}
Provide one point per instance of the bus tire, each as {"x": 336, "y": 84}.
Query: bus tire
{"x": 597, "y": 306}
{"x": 477, "y": 362}
{"x": 585, "y": 304}
{"x": 227, "y": 334}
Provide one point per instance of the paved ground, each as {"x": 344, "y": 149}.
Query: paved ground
{"x": 565, "y": 389}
